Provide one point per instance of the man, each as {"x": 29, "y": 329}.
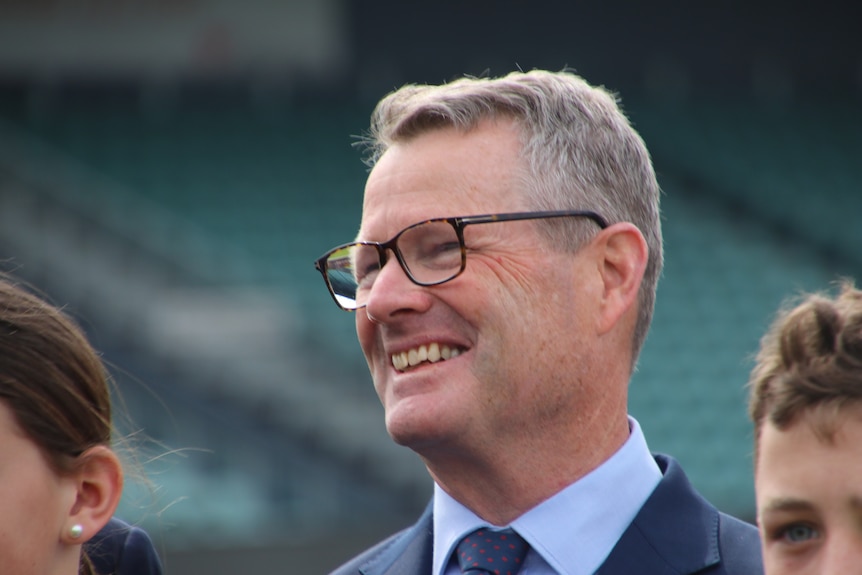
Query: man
{"x": 501, "y": 345}
{"x": 806, "y": 405}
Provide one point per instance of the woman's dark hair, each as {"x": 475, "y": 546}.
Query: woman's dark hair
{"x": 52, "y": 379}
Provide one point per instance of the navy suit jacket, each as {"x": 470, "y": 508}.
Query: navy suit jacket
{"x": 676, "y": 532}
{"x": 121, "y": 549}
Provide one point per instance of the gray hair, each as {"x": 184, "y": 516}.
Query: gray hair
{"x": 581, "y": 151}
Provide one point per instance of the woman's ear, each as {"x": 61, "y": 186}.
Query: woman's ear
{"x": 98, "y": 485}
{"x": 625, "y": 255}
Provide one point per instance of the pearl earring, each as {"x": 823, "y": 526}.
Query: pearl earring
{"x": 76, "y": 531}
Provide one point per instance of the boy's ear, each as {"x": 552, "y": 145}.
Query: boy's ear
{"x": 97, "y": 482}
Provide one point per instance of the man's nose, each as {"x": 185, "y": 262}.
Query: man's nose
{"x": 393, "y": 291}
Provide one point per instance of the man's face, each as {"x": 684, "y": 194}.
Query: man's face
{"x": 809, "y": 498}
{"x": 513, "y": 320}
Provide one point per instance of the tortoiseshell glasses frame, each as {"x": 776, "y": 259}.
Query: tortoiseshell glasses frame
{"x": 430, "y": 252}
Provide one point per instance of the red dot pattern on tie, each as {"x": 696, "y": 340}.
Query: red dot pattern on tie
{"x": 486, "y": 551}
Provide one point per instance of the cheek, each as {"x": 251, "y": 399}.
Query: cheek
{"x": 364, "y": 330}
{"x": 514, "y": 316}
{"x": 366, "y": 333}
{"x": 29, "y": 530}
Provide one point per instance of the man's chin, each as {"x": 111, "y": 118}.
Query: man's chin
{"x": 424, "y": 419}
{"x": 412, "y": 436}
{"x": 418, "y": 432}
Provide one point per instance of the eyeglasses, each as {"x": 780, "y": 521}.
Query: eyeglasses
{"x": 431, "y": 252}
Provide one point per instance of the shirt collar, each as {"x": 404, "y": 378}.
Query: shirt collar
{"x": 574, "y": 531}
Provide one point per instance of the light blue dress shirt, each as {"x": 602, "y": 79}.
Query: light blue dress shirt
{"x": 573, "y": 532}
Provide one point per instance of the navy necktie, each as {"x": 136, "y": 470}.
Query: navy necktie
{"x": 485, "y": 551}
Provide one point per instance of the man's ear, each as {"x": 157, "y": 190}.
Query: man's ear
{"x": 624, "y": 257}
{"x": 98, "y": 485}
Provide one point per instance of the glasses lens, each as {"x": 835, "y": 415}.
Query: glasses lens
{"x": 431, "y": 251}
{"x": 341, "y": 276}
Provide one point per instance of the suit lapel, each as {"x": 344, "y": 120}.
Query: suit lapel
{"x": 409, "y": 554}
{"x": 676, "y": 531}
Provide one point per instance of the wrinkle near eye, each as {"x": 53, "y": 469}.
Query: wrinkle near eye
{"x": 508, "y": 269}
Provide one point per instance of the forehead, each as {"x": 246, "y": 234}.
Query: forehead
{"x": 796, "y": 462}
{"x": 444, "y": 172}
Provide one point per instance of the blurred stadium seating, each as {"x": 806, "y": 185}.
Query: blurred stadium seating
{"x": 188, "y": 251}
{"x": 179, "y": 221}
{"x": 229, "y": 204}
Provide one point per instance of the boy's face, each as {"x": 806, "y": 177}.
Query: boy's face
{"x": 809, "y": 497}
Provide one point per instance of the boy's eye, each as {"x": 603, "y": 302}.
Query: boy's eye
{"x": 798, "y": 533}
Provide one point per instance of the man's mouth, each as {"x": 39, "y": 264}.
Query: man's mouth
{"x": 431, "y": 353}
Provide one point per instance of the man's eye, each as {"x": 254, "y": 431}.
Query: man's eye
{"x": 365, "y": 274}
{"x": 366, "y": 264}
{"x": 442, "y": 248}
{"x": 440, "y": 255}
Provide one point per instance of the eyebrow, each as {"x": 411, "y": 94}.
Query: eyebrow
{"x": 790, "y": 504}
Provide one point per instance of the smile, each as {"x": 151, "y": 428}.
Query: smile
{"x": 431, "y": 353}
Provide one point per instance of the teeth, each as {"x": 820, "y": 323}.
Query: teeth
{"x": 432, "y": 353}
{"x": 399, "y": 361}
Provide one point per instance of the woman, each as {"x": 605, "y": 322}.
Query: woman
{"x": 806, "y": 405}
{"x": 60, "y": 481}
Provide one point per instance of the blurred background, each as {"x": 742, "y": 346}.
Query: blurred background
{"x": 169, "y": 170}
